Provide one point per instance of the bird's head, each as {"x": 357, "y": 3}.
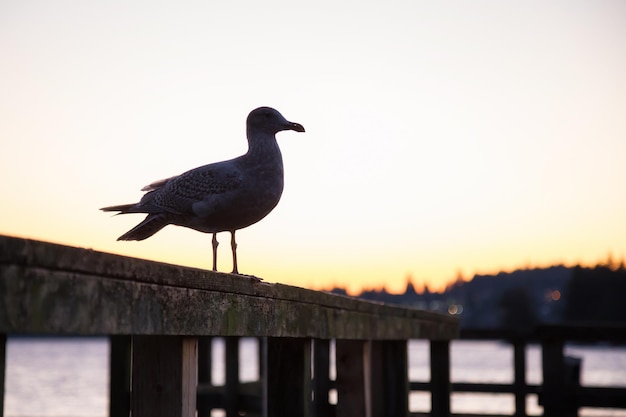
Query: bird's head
{"x": 269, "y": 120}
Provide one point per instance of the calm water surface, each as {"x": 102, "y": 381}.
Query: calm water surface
{"x": 69, "y": 377}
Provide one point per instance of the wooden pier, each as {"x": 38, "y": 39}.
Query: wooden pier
{"x": 165, "y": 310}
{"x": 561, "y": 393}
{"x": 160, "y": 320}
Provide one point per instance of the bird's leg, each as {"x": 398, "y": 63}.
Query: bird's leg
{"x": 233, "y": 245}
{"x": 215, "y": 243}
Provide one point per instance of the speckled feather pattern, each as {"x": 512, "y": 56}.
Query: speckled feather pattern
{"x": 178, "y": 194}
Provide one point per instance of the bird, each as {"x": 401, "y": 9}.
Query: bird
{"x": 219, "y": 197}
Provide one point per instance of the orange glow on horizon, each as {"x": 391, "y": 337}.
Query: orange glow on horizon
{"x": 197, "y": 254}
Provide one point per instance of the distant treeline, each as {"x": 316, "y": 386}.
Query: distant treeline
{"x": 597, "y": 294}
{"x": 523, "y": 298}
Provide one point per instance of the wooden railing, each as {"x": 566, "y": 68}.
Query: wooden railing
{"x": 160, "y": 319}
{"x": 560, "y": 393}
{"x": 157, "y": 316}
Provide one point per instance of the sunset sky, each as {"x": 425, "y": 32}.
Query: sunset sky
{"x": 442, "y": 138}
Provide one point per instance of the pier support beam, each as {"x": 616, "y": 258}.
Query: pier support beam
{"x": 372, "y": 378}
{"x": 352, "y": 397}
{"x": 560, "y": 381}
{"x": 205, "y": 364}
{"x": 519, "y": 375}
{"x": 287, "y": 385}
{"x": 231, "y": 390}
{"x": 440, "y": 377}
{"x": 164, "y": 376}
{"x": 321, "y": 378}
{"x": 119, "y": 375}
{"x": 389, "y": 381}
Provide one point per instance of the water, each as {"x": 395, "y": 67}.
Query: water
{"x": 56, "y": 377}
{"x": 492, "y": 362}
{"x": 69, "y": 377}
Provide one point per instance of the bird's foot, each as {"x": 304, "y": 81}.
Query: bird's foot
{"x": 252, "y": 277}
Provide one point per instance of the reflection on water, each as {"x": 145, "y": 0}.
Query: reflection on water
{"x": 57, "y": 377}
{"x": 69, "y": 377}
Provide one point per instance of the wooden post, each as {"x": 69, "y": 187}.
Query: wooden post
{"x": 440, "y": 378}
{"x": 352, "y": 398}
{"x": 205, "y": 363}
{"x": 231, "y": 388}
{"x": 389, "y": 383}
{"x": 119, "y": 376}
{"x": 572, "y": 384}
{"x": 287, "y": 379}
{"x": 321, "y": 378}
{"x": 519, "y": 376}
{"x": 553, "y": 392}
{"x": 3, "y": 361}
{"x": 165, "y": 376}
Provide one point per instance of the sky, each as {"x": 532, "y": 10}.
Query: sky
{"x": 443, "y": 139}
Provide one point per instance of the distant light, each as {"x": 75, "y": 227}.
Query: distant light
{"x": 455, "y": 309}
{"x": 556, "y": 295}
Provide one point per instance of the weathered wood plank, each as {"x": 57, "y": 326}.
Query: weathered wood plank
{"x": 389, "y": 383}
{"x": 165, "y": 378}
{"x": 440, "y": 378}
{"x": 231, "y": 389}
{"x": 352, "y": 398}
{"x": 321, "y": 378}
{"x": 287, "y": 385}
{"x": 34, "y": 300}
{"x": 189, "y": 376}
{"x": 558, "y": 396}
{"x": 119, "y": 376}
{"x": 611, "y": 397}
{"x": 29, "y": 254}
{"x": 519, "y": 376}
{"x": 553, "y": 368}
{"x": 205, "y": 359}
{"x": 477, "y": 387}
{"x": 249, "y": 398}
{"x": 205, "y": 363}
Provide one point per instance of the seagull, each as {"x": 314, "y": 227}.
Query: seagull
{"x": 220, "y": 197}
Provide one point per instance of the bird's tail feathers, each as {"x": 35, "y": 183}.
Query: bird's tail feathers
{"x": 151, "y": 224}
{"x": 122, "y": 208}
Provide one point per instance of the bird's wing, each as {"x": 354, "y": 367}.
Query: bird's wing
{"x": 155, "y": 185}
{"x": 179, "y": 194}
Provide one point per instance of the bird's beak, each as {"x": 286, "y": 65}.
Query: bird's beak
{"x": 295, "y": 126}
